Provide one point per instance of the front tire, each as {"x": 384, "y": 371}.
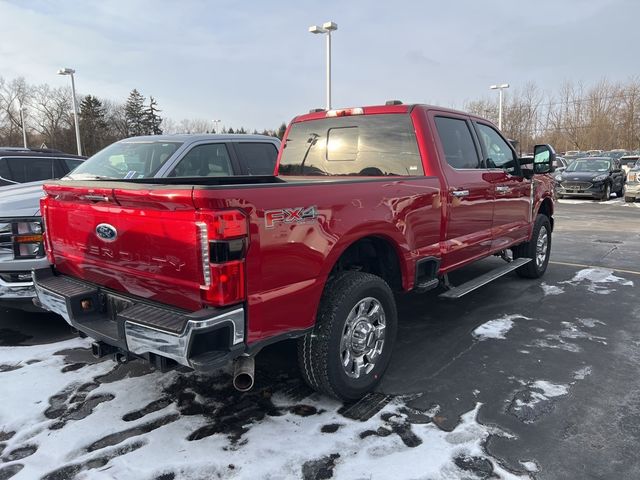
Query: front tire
{"x": 629, "y": 199}
{"x": 538, "y": 249}
{"x": 349, "y": 348}
{"x": 606, "y": 195}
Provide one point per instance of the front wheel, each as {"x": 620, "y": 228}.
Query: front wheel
{"x": 538, "y": 249}
{"x": 606, "y": 195}
{"x": 349, "y": 348}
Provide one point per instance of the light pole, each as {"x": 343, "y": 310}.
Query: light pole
{"x": 326, "y": 29}
{"x": 24, "y": 128}
{"x": 215, "y": 125}
{"x": 499, "y": 88}
{"x": 71, "y": 71}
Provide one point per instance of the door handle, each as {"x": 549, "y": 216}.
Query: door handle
{"x": 460, "y": 193}
{"x": 503, "y": 189}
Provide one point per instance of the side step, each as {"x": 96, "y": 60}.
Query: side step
{"x": 478, "y": 282}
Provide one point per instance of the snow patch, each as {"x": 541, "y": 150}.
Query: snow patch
{"x": 530, "y": 466}
{"x": 597, "y": 279}
{"x": 583, "y": 373}
{"x": 497, "y": 328}
{"x": 139, "y": 429}
{"x": 551, "y": 289}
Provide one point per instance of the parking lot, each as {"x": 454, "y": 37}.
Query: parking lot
{"x": 520, "y": 379}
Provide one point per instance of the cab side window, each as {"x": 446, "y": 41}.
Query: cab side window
{"x": 498, "y": 152}
{"x": 209, "y": 160}
{"x": 459, "y": 149}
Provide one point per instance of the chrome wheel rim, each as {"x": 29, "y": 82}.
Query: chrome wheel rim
{"x": 542, "y": 246}
{"x": 363, "y": 337}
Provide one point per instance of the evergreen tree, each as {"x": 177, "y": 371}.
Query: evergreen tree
{"x": 242, "y": 130}
{"x": 151, "y": 118}
{"x": 230, "y": 130}
{"x": 93, "y": 125}
{"x": 134, "y": 111}
{"x": 281, "y": 130}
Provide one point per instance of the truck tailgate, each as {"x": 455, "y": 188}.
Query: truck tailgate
{"x": 142, "y": 242}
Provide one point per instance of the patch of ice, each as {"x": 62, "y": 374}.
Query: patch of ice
{"x": 497, "y": 328}
{"x": 594, "y": 278}
{"x": 551, "y": 289}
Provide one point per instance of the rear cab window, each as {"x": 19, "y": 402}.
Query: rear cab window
{"x": 358, "y": 145}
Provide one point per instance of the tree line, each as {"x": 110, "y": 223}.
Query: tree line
{"x": 47, "y": 113}
{"x": 605, "y": 116}
{"x": 602, "y": 116}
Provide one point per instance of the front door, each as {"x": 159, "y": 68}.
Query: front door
{"x": 512, "y": 192}
{"x": 469, "y": 198}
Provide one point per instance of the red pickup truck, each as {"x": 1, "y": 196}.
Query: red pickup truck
{"x": 367, "y": 202}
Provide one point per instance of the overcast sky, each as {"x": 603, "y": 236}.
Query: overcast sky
{"x": 254, "y": 64}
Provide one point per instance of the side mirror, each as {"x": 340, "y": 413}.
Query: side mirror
{"x": 544, "y": 158}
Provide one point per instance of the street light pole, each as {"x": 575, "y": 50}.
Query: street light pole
{"x": 71, "y": 71}
{"x": 500, "y": 88}
{"x": 24, "y": 128}
{"x": 215, "y": 125}
{"x": 326, "y": 29}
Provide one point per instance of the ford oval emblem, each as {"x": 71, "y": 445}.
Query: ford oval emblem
{"x": 106, "y": 232}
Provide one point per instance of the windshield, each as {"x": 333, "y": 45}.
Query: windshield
{"x": 126, "y": 159}
{"x": 589, "y": 165}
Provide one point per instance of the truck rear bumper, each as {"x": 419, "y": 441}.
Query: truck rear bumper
{"x": 202, "y": 340}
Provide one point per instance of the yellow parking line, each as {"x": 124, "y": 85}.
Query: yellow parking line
{"x": 633, "y": 272}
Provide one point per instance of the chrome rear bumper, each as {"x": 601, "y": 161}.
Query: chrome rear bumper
{"x": 201, "y": 340}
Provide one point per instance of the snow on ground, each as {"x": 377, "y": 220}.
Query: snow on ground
{"x": 598, "y": 280}
{"x": 497, "y": 328}
{"x": 612, "y": 201}
{"x": 62, "y": 420}
{"x": 535, "y": 400}
{"x": 551, "y": 289}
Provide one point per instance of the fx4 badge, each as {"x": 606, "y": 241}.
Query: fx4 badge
{"x": 289, "y": 215}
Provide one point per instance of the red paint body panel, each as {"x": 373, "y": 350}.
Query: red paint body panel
{"x": 156, "y": 252}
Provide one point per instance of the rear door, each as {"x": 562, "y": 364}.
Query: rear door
{"x": 512, "y": 193}
{"x": 469, "y": 197}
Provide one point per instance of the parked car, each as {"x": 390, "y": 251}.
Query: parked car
{"x": 138, "y": 157}
{"x": 632, "y": 191}
{"x": 595, "y": 177}
{"x": 202, "y": 271}
{"x": 628, "y": 162}
{"x": 24, "y": 165}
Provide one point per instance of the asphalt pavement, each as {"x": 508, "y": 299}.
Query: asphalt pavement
{"x": 552, "y": 365}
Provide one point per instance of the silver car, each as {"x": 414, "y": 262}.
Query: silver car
{"x": 21, "y": 246}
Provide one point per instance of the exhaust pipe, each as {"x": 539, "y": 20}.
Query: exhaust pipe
{"x": 120, "y": 357}
{"x": 243, "y": 373}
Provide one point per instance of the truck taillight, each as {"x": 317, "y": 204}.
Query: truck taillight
{"x": 223, "y": 237}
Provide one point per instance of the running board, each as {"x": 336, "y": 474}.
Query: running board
{"x": 478, "y": 282}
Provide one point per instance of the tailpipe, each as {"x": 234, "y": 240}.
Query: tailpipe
{"x": 243, "y": 373}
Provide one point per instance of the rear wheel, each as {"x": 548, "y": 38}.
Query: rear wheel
{"x": 537, "y": 249}
{"x": 349, "y": 348}
{"x": 620, "y": 193}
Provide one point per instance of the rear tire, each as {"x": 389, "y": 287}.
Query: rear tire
{"x": 349, "y": 348}
{"x": 538, "y": 249}
{"x": 620, "y": 193}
